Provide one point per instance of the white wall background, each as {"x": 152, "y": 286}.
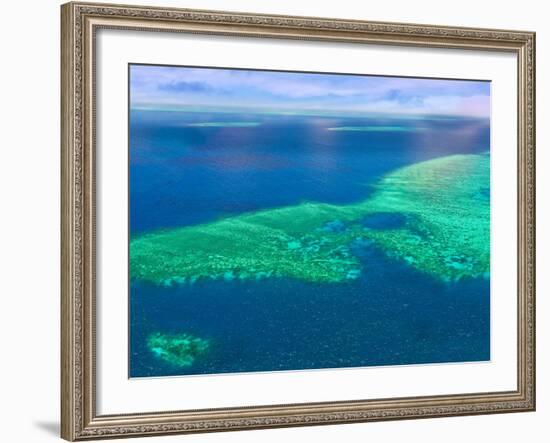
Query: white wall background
{"x": 29, "y": 234}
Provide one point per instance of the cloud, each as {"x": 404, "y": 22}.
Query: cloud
{"x": 403, "y": 98}
{"x": 184, "y": 86}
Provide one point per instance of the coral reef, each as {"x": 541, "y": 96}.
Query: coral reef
{"x": 377, "y": 128}
{"x": 225, "y": 124}
{"x": 177, "y": 349}
{"x": 448, "y": 234}
{"x": 433, "y": 215}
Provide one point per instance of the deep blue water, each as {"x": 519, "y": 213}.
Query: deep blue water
{"x": 184, "y": 175}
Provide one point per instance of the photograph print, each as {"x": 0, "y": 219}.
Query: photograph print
{"x": 284, "y": 221}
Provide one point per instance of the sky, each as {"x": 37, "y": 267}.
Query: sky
{"x": 162, "y": 87}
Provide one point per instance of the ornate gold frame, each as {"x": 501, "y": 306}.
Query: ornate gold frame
{"x": 80, "y": 21}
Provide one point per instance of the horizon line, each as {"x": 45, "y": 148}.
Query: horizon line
{"x": 301, "y": 111}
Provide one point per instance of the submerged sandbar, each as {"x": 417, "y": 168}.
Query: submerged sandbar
{"x": 376, "y": 128}
{"x": 224, "y": 124}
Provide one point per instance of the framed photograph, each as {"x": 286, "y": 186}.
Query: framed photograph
{"x": 282, "y": 221}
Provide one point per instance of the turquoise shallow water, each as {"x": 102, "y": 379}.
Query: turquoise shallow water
{"x": 189, "y": 169}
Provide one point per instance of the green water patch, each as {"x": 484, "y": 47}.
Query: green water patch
{"x": 224, "y": 124}
{"x": 376, "y": 128}
{"x": 177, "y": 349}
{"x": 443, "y": 230}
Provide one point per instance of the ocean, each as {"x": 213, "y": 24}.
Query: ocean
{"x": 193, "y": 172}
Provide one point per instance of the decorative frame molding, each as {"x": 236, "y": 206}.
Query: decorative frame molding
{"x": 79, "y": 22}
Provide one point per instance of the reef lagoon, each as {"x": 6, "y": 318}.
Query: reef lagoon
{"x": 265, "y": 242}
